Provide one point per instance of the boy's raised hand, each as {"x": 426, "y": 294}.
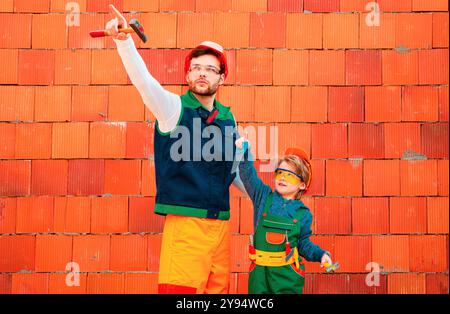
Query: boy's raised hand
{"x": 118, "y": 21}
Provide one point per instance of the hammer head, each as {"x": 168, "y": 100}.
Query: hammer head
{"x": 138, "y": 29}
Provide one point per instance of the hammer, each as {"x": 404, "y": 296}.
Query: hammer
{"x": 135, "y": 27}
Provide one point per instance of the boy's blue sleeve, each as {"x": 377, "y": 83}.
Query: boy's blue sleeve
{"x": 256, "y": 189}
{"x": 310, "y": 251}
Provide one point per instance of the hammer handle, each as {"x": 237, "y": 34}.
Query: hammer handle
{"x": 102, "y": 33}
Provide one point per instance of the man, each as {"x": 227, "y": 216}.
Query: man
{"x": 192, "y": 190}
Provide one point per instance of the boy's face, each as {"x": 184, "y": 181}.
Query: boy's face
{"x": 286, "y": 189}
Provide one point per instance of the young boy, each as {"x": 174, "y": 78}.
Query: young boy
{"x": 282, "y": 224}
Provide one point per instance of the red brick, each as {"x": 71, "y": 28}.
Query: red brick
{"x": 35, "y": 7}
{"x": 391, "y": 252}
{"x": 433, "y": 66}
{"x": 382, "y": 103}
{"x": 363, "y": 67}
{"x": 242, "y": 285}
{"x": 10, "y": 70}
{"x": 284, "y": 5}
{"x": 34, "y": 215}
{"x": 324, "y": 242}
{"x": 7, "y": 140}
{"x": 318, "y": 181}
{"x": 267, "y": 30}
{"x": 17, "y": 103}
{"x": 254, "y": 67}
{"x": 327, "y": 67}
{"x": 294, "y": 135}
{"x": 5, "y": 283}
{"x": 148, "y": 178}
{"x": 303, "y": 97}
{"x": 40, "y": 36}
{"x": 212, "y": 6}
{"x": 333, "y": 216}
{"x": 246, "y": 216}
{"x": 400, "y": 68}
{"x": 176, "y": 5}
{"x": 102, "y": 5}
{"x": 52, "y": 103}
{"x": 340, "y": 31}
{"x": 423, "y": 5}
{"x": 344, "y": 178}
{"x": 72, "y": 215}
{"x": 437, "y": 214}
{"x": 428, "y": 253}
{"x": 330, "y": 283}
{"x": 377, "y": 36}
{"x": 395, "y": 6}
{"x": 91, "y": 252}
{"x": 443, "y": 103}
{"x": 7, "y": 6}
{"x": 304, "y": 30}
{"x": 30, "y": 283}
{"x": 370, "y": 215}
{"x": 443, "y": 177}
{"x": 154, "y": 251}
{"x": 17, "y": 253}
{"x": 408, "y": 215}
{"x": 354, "y": 6}
{"x": 321, "y": 6}
{"x": 142, "y": 217}
{"x": 122, "y": 177}
{"x": 239, "y": 253}
{"x": 381, "y": 177}
{"x": 401, "y": 139}
{"x": 79, "y": 37}
{"x": 139, "y": 140}
{"x": 107, "y": 140}
{"x": 53, "y": 253}
{"x": 36, "y": 67}
{"x": 437, "y": 283}
{"x": 86, "y": 177}
{"x": 440, "y": 30}
{"x": 231, "y": 61}
{"x": 141, "y": 283}
{"x": 268, "y": 97}
{"x": 357, "y": 284}
{"x": 89, "y": 103}
{"x": 346, "y": 104}
{"x": 15, "y": 30}
{"x": 329, "y": 141}
{"x": 106, "y": 283}
{"x": 60, "y": 6}
{"x": 70, "y": 140}
{"x": 8, "y": 213}
{"x": 413, "y": 30}
{"x": 435, "y": 140}
{"x": 57, "y": 283}
{"x": 73, "y": 66}
{"x": 141, "y": 5}
{"x": 107, "y": 67}
{"x": 167, "y": 66}
{"x": 234, "y": 214}
{"x": 15, "y": 177}
{"x": 192, "y": 29}
{"x": 365, "y": 140}
{"x": 128, "y": 253}
{"x": 242, "y": 101}
{"x": 249, "y": 6}
{"x": 161, "y": 28}
{"x": 290, "y": 67}
{"x": 353, "y": 253}
{"x": 109, "y": 215}
{"x": 418, "y": 177}
{"x": 49, "y": 177}
{"x": 33, "y": 141}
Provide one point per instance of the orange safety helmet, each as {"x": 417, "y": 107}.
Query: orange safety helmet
{"x": 216, "y": 48}
{"x": 300, "y": 153}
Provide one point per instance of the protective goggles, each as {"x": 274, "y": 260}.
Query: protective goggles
{"x": 289, "y": 176}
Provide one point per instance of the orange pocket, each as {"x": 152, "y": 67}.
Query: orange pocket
{"x": 274, "y": 238}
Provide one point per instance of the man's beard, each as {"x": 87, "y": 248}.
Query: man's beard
{"x": 210, "y": 91}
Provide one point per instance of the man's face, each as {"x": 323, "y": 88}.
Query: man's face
{"x": 204, "y": 76}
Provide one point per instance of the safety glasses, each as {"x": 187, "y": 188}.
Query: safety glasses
{"x": 289, "y": 176}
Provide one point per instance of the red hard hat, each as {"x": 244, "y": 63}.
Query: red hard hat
{"x": 300, "y": 153}
{"x": 213, "y": 46}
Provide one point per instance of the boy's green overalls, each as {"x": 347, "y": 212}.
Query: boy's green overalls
{"x": 271, "y": 272}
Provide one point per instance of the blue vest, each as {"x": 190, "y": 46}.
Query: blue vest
{"x": 193, "y": 162}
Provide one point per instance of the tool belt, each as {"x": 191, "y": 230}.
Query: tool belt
{"x": 264, "y": 258}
